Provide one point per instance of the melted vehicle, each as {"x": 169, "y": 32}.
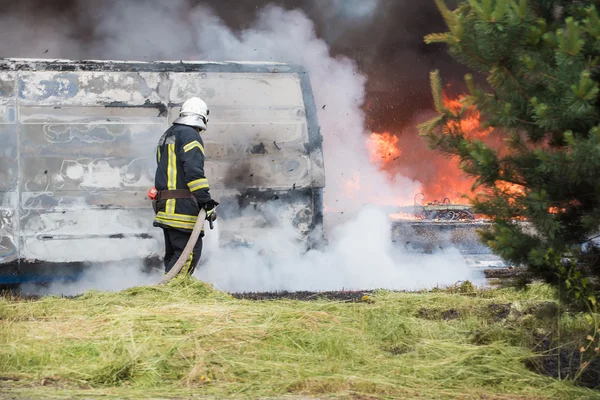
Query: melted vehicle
{"x": 77, "y": 156}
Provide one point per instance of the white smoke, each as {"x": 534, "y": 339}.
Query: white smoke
{"x": 289, "y": 36}
{"x": 148, "y": 30}
{"x": 105, "y": 277}
{"x": 360, "y": 254}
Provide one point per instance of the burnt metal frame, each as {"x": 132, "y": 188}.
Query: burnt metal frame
{"x": 15, "y": 272}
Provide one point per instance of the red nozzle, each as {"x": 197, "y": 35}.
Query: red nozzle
{"x": 152, "y": 193}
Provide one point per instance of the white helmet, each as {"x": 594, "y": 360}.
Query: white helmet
{"x": 194, "y": 112}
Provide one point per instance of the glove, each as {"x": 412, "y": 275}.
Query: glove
{"x": 211, "y": 211}
{"x": 209, "y": 205}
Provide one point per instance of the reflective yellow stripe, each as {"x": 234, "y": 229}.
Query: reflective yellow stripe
{"x": 158, "y": 152}
{"x": 198, "y": 184}
{"x": 193, "y": 144}
{"x": 172, "y": 168}
{"x": 186, "y": 267}
{"x": 175, "y": 224}
{"x": 171, "y": 177}
{"x": 177, "y": 217}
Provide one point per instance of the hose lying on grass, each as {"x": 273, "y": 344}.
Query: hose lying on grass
{"x": 187, "y": 250}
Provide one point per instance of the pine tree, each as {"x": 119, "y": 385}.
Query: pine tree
{"x": 541, "y": 61}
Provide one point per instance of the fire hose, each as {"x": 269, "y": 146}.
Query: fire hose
{"x": 187, "y": 250}
{"x": 189, "y": 247}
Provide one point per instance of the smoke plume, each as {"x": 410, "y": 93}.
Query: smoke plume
{"x": 338, "y": 86}
{"x": 384, "y": 37}
{"x": 360, "y": 253}
{"x": 360, "y": 256}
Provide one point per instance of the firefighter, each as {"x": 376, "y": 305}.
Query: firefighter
{"x": 182, "y": 189}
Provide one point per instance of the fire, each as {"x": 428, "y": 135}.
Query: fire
{"x": 406, "y": 153}
{"x": 470, "y": 124}
{"x": 510, "y": 189}
{"x": 556, "y": 210}
{"x": 442, "y": 180}
{"x": 383, "y": 147}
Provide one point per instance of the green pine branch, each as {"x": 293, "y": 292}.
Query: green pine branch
{"x": 543, "y": 72}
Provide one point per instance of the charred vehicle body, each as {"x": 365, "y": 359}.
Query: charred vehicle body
{"x": 78, "y": 156}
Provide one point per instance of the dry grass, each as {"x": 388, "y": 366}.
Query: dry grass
{"x": 190, "y": 339}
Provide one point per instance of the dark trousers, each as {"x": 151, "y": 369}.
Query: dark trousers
{"x": 175, "y": 241}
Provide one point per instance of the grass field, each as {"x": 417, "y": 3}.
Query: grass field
{"x": 189, "y": 339}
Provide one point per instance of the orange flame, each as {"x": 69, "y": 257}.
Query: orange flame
{"x": 440, "y": 176}
{"x": 469, "y": 124}
{"x": 383, "y": 147}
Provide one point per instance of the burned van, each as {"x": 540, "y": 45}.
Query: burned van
{"x": 78, "y": 155}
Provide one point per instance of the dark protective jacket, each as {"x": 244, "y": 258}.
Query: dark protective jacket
{"x": 180, "y": 158}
